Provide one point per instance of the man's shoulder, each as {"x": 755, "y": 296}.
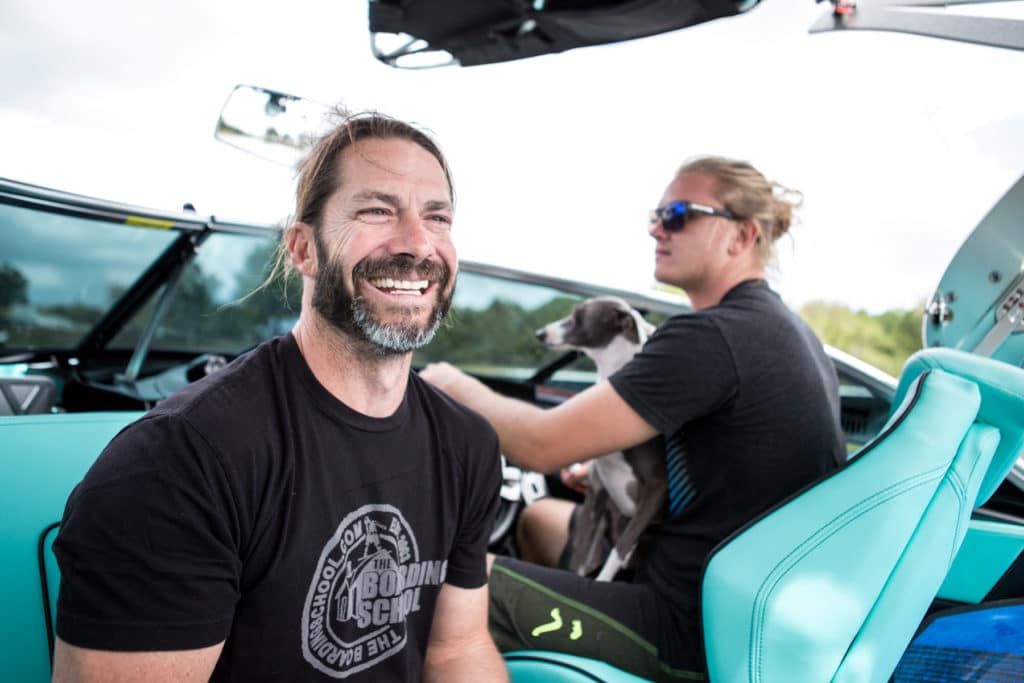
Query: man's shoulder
{"x": 449, "y": 410}
{"x": 232, "y": 405}
{"x": 751, "y": 305}
{"x": 697, "y": 330}
{"x": 750, "y": 296}
{"x": 750, "y": 321}
{"x": 243, "y": 380}
{"x": 228, "y": 412}
{"x": 763, "y": 332}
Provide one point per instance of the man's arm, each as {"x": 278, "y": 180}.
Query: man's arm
{"x": 73, "y": 664}
{"x": 592, "y": 423}
{"x": 460, "y": 648}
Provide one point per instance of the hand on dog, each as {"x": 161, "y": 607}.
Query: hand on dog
{"x": 575, "y": 476}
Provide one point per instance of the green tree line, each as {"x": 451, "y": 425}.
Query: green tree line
{"x": 884, "y": 340}
{"x": 13, "y": 286}
{"x": 502, "y": 333}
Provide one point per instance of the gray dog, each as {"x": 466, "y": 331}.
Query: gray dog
{"x": 626, "y": 491}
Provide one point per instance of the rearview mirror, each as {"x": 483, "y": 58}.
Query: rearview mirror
{"x": 272, "y": 125}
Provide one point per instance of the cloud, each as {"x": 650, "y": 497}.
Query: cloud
{"x": 899, "y": 143}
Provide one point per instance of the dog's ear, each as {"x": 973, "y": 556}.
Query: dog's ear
{"x": 627, "y": 324}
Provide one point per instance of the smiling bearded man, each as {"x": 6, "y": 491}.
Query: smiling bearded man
{"x": 314, "y": 510}
{"x": 400, "y": 275}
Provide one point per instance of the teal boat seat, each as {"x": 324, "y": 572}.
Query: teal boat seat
{"x": 831, "y": 584}
{"x": 847, "y": 569}
{"x": 43, "y": 457}
{"x": 991, "y": 546}
{"x": 1001, "y": 386}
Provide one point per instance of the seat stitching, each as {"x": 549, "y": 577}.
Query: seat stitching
{"x": 959, "y": 488}
{"x": 813, "y": 541}
{"x": 962, "y": 519}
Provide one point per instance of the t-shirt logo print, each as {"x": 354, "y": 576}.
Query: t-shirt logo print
{"x": 366, "y": 583}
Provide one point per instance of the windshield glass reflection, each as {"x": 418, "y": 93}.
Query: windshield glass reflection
{"x": 59, "y": 274}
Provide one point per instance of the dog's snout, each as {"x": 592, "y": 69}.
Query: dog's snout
{"x": 542, "y": 334}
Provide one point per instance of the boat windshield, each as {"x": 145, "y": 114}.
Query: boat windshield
{"x": 61, "y": 274}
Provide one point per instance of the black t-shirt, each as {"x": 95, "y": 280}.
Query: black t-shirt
{"x": 748, "y": 403}
{"x": 256, "y": 508}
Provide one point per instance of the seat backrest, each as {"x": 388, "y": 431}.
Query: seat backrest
{"x": 917, "y": 576}
{"x": 831, "y": 584}
{"x": 1002, "y": 395}
{"x": 42, "y": 458}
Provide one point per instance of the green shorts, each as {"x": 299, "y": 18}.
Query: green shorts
{"x": 624, "y": 624}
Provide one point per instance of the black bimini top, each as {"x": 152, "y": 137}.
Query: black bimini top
{"x": 491, "y": 31}
{"x": 429, "y": 33}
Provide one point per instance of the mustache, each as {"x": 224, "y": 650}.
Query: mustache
{"x": 403, "y": 267}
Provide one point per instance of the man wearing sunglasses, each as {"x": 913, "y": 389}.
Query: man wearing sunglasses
{"x": 740, "y": 390}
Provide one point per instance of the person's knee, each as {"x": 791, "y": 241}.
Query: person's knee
{"x": 542, "y": 531}
{"x": 529, "y": 526}
{"x": 526, "y": 525}
{"x": 526, "y": 533}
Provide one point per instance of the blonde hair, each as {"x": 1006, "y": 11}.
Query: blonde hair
{"x": 745, "y": 192}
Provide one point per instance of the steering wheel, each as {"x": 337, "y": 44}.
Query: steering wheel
{"x": 518, "y": 488}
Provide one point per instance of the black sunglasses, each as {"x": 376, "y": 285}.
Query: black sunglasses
{"x": 673, "y": 216}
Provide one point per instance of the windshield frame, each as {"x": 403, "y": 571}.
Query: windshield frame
{"x": 192, "y": 230}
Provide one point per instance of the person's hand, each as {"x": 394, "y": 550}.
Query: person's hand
{"x": 575, "y": 476}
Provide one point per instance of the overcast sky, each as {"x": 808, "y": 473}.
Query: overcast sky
{"x": 899, "y": 143}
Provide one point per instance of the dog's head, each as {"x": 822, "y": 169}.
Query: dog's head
{"x": 606, "y": 328}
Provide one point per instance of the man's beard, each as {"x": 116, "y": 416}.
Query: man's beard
{"x": 353, "y": 315}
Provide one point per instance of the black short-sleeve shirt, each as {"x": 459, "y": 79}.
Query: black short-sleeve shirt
{"x": 748, "y": 403}
{"x": 254, "y": 508}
